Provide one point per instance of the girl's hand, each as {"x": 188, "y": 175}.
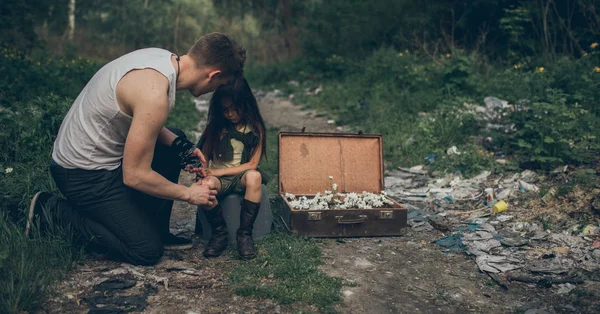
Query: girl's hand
{"x": 208, "y": 172}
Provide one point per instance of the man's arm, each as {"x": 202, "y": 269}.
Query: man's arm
{"x": 144, "y": 93}
{"x": 166, "y": 137}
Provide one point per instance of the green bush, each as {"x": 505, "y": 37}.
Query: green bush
{"x": 24, "y": 77}
{"x": 416, "y": 102}
{"x": 554, "y": 132}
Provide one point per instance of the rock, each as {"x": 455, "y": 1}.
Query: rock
{"x": 362, "y": 262}
{"x": 440, "y": 224}
{"x": 565, "y": 288}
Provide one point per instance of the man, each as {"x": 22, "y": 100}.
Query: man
{"x": 115, "y": 162}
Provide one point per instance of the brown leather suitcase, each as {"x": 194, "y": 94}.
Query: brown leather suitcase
{"x": 307, "y": 160}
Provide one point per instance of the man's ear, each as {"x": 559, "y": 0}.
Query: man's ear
{"x": 214, "y": 74}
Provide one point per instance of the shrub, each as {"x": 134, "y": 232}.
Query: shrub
{"x": 554, "y": 132}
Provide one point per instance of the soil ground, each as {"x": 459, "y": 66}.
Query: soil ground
{"x": 407, "y": 274}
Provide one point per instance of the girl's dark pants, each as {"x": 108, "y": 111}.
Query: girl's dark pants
{"x": 118, "y": 220}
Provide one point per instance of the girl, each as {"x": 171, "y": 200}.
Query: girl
{"x": 234, "y": 142}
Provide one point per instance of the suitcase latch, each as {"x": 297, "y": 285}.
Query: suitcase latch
{"x": 314, "y": 216}
{"x": 386, "y": 214}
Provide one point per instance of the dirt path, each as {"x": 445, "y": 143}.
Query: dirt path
{"x": 407, "y": 274}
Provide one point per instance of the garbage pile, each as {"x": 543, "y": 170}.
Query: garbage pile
{"x": 482, "y": 217}
{"x": 411, "y": 184}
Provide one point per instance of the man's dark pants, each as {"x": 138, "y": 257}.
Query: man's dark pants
{"x": 125, "y": 223}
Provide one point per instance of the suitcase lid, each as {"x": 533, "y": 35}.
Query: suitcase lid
{"x": 306, "y": 160}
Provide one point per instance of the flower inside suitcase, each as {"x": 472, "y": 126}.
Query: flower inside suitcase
{"x": 332, "y": 186}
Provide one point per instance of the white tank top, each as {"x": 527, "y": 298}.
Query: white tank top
{"x": 92, "y": 135}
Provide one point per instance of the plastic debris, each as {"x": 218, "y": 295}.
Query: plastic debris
{"x": 496, "y": 264}
{"x": 565, "y": 288}
{"x": 452, "y": 151}
{"x": 560, "y": 169}
{"x": 452, "y": 243}
{"x": 528, "y": 176}
{"x": 500, "y": 207}
{"x": 504, "y": 218}
{"x": 550, "y": 196}
{"x": 528, "y": 186}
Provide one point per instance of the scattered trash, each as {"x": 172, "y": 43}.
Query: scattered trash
{"x": 158, "y": 280}
{"x": 452, "y": 243}
{"x": 504, "y": 218}
{"x": 489, "y": 196}
{"x": 440, "y": 224}
{"x": 528, "y": 186}
{"x": 470, "y": 210}
{"x": 106, "y": 297}
{"x": 452, "y": 151}
{"x": 528, "y": 176}
{"x": 501, "y": 161}
{"x": 565, "y": 288}
{"x": 560, "y": 169}
{"x": 500, "y": 207}
{"x": 550, "y": 196}
{"x": 496, "y": 264}
{"x": 430, "y": 159}
{"x": 315, "y": 90}
{"x": 492, "y": 113}
{"x": 590, "y": 229}
{"x": 115, "y": 284}
{"x": 544, "y": 281}
{"x": 514, "y": 241}
{"x": 330, "y": 121}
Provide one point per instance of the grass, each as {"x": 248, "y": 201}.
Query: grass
{"x": 286, "y": 270}
{"x": 270, "y": 164}
{"x": 30, "y": 266}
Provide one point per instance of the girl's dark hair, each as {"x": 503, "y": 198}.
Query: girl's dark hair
{"x": 243, "y": 99}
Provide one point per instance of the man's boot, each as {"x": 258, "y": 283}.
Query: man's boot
{"x": 218, "y": 241}
{"x": 245, "y": 243}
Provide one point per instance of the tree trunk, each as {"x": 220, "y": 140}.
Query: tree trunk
{"x": 290, "y": 38}
{"x": 545, "y": 9}
{"x": 71, "y": 25}
{"x": 176, "y": 32}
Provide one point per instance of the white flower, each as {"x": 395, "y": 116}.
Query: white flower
{"x": 330, "y": 177}
{"x": 334, "y": 186}
{"x": 9, "y": 170}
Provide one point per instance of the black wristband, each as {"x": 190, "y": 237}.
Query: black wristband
{"x": 184, "y": 149}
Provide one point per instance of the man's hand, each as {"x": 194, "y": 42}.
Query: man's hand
{"x": 199, "y": 171}
{"x": 202, "y": 194}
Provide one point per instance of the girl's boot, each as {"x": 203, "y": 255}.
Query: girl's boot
{"x": 245, "y": 243}
{"x": 218, "y": 240}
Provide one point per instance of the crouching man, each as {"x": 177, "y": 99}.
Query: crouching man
{"x": 115, "y": 162}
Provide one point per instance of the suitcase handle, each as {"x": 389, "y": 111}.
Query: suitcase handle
{"x": 352, "y": 221}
